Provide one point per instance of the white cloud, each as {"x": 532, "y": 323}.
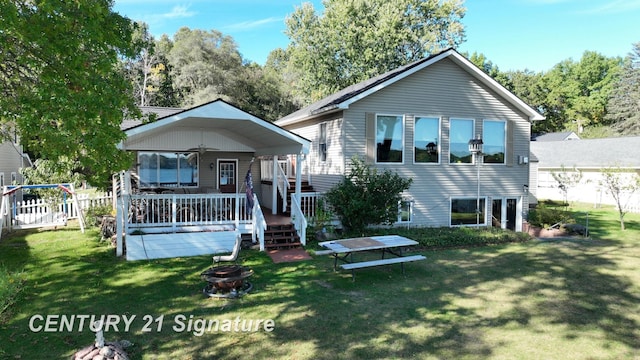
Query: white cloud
{"x": 615, "y": 6}
{"x": 250, "y": 25}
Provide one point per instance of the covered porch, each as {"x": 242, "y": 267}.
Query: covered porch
{"x": 193, "y": 181}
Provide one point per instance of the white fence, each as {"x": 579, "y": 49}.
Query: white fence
{"x": 40, "y": 213}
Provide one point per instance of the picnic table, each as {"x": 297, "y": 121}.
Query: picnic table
{"x": 387, "y": 244}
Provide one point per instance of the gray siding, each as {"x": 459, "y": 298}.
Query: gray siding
{"x": 442, "y": 90}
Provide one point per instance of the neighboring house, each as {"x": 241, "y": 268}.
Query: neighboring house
{"x": 188, "y": 185}
{"x": 557, "y": 136}
{"x": 589, "y": 156}
{"x": 12, "y": 159}
{"x": 417, "y": 121}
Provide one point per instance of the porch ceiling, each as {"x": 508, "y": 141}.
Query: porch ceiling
{"x": 216, "y": 126}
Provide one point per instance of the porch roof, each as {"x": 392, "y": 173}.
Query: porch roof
{"x": 214, "y": 126}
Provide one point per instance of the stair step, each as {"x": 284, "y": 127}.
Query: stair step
{"x": 281, "y": 245}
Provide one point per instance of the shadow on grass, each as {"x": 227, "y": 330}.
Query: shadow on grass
{"x": 461, "y": 303}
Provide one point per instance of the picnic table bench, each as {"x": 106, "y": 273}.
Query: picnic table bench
{"x": 388, "y": 244}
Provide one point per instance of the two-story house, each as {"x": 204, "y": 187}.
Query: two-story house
{"x": 418, "y": 120}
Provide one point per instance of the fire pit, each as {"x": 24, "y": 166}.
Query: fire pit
{"x": 226, "y": 281}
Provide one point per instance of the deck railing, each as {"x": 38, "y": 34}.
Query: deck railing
{"x": 181, "y": 210}
{"x": 299, "y": 219}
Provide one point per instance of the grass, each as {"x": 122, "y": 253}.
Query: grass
{"x": 540, "y": 299}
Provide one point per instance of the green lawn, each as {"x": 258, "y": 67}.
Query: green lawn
{"x": 552, "y": 299}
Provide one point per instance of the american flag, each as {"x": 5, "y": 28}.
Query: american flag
{"x": 248, "y": 182}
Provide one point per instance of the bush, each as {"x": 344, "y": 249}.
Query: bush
{"x": 366, "y": 197}
{"x": 544, "y": 216}
{"x": 93, "y": 215}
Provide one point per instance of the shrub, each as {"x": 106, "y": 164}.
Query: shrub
{"x": 366, "y": 196}
{"x": 544, "y": 216}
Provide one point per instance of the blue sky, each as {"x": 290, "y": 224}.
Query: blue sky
{"x": 513, "y": 34}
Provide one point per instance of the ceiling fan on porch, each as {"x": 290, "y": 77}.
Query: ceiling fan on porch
{"x": 201, "y": 149}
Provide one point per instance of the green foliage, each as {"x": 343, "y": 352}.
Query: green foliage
{"x": 446, "y": 237}
{"x": 624, "y": 103}
{"x": 10, "y": 285}
{"x": 545, "y": 216}
{"x": 52, "y": 172}
{"x": 93, "y": 215}
{"x": 353, "y": 41}
{"x": 366, "y": 197}
{"x": 60, "y": 86}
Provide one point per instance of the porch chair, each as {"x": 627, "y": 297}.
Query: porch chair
{"x": 233, "y": 256}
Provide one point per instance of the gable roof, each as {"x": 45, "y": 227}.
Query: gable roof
{"x": 588, "y": 153}
{"x": 557, "y": 136}
{"x": 345, "y": 97}
{"x": 216, "y": 120}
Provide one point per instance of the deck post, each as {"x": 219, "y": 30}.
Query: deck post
{"x": 274, "y": 185}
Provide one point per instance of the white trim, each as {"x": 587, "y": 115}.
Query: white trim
{"x": 465, "y": 64}
{"x": 504, "y": 140}
{"x": 473, "y": 136}
{"x": 438, "y": 141}
{"x": 218, "y": 161}
{"x": 404, "y": 130}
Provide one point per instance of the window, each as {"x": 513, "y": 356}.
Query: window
{"x": 425, "y": 142}
{"x": 405, "y": 210}
{"x": 14, "y": 178}
{"x": 322, "y": 142}
{"x": 460, "y": 132}
{"x": 1, "y": 179}
{"x": 463, "y": 212}
{"x": 389, "y": 138}
{"x": 494, "y": 140}
{"x": 168, "y": 169}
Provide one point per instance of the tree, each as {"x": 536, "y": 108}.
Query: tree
{"x": 366, "y": 196}
{"x": 204, "y": 66}
{"x": 60, "y": 84}
{"x": 576, "y": 93}
{"x": 624, "y": 103}
{"x": 144, "y": 69}
{"x": 355, "y": 40}
{"x": 621, "y": 184}
{"x": 567, "y": 179}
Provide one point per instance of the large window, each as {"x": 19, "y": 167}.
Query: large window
{"x": 494, "y": 141}
{"x": 389, "y": 138}
{"x": 426, "y": 140}
{"x": 463, "y": 212}
{"x": 460, "y": 132}
{"x": 168, "y": 169}
{"x": 322, "y": 142}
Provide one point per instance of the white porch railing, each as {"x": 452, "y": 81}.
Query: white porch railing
{"x": 179, "y": 210}
{"x": 299, "y": 219}
{"x": 259, "y": 223}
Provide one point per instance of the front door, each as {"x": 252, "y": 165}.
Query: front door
{"x": 512, "y": 211}
{"x": 227, "y": 176}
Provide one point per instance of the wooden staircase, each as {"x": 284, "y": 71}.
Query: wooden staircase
{"x": 281, "y": 236}
{"x": 304, "y": 187}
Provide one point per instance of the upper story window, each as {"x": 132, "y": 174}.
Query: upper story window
{"x": 494, "y": 140}
{"x": 426, "y": 140}
{"x": 168, "y": 169}
{"x": 389, "y": 138}
{"x": 322, "y": 142}
{"x": 460, "y": 132}
{"x": 1, "y": 179}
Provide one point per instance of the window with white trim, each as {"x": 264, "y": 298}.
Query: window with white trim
{"x": 426, "y": 138}
{"x": 494, "y": 139}
{"x": 1, "y": 179}
{"x": 463, "y": 212}
{"x": 165, "y": 169}
{"x": 322, "y": 142}
{"x": 389, "y": 138}
{"x": 14, "y": 178}
{"x": 460, "y": 132}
